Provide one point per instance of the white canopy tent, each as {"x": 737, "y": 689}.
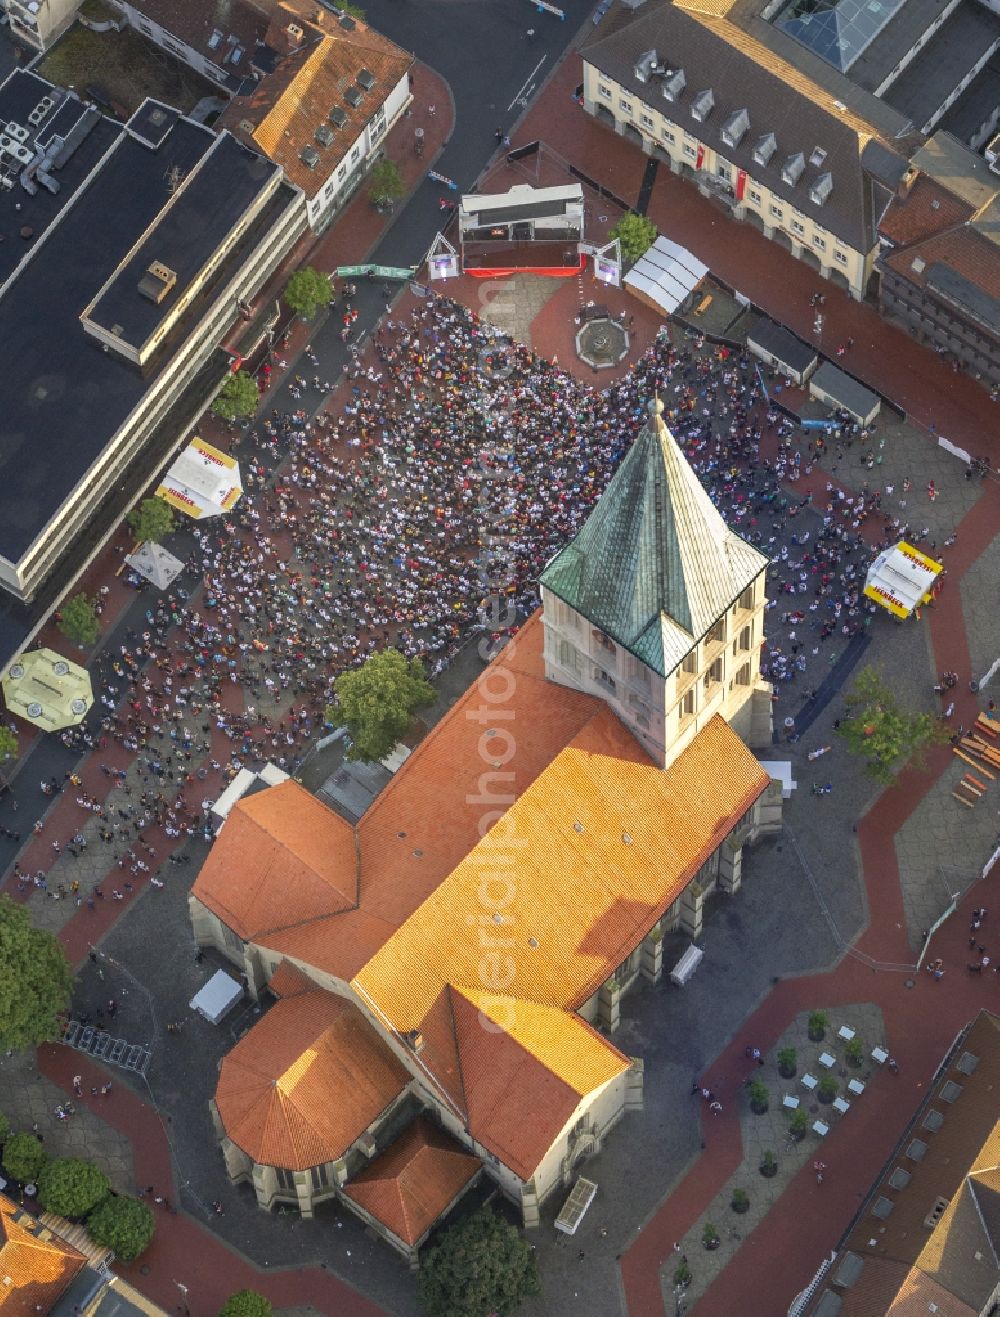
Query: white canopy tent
{"x": 900, "y": 578}
{"x": 665, "y": 276}
{"x": 203, "y": 481}
{"x": 218, "y": 997}
{"x": 155, "y": 563}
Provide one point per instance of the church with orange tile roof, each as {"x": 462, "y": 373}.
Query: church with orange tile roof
{"x": 449, "y": 969}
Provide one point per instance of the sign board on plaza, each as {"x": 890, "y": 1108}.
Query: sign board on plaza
{"x": 375, "y": 271}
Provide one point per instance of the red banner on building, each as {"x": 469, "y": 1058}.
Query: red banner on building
{"x": 700, "y": 160}
{"x": 741, "y": 183}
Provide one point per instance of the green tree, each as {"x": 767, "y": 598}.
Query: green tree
{"x": 70, "y": 1187}
{"x": 480, "y": 1267}
{"x": 306, "y": 291}
{"x": 125, "y": 1225}
{"x": 387, "y": 184}
{"x": 376, "y": 702}
{"x": 152, "y": 520}
{"x": 8, "y": 743}
{"x": 23, "y": 1157}
{"x": 78, "y": 620}
{"x": 4, "y": 1128}
{"x": 239, "y": 396}
{"x": 888, "y": 736}
{"x": 246, "y": 1303}
{"x": 35, "y": 980}
{"x": 636, "y": 233}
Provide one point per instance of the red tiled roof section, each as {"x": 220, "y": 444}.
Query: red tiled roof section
{"x": 928, "y": 209}
{"x": 414, "y": 1181}
{"x": 963, "y": 250}
{"x": 504, "y": 1081}
{"x": 428, "y": 818}
{"x": 274, "y": 843}
{"x": 35, "y": 1265}
{"x": 195, "y": 21}
{"x": 288, "y": 105}
{"x": 289, "y": 981}
{"x": 306, "y": 1082}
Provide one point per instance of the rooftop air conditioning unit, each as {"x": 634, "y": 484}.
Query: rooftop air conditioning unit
{"x": 18, "y": 132}
{"x": 23, "y": 153}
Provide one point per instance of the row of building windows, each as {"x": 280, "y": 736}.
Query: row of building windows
{"x": 724, "y": 171}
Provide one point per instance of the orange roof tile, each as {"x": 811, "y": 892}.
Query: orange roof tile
{"x": 289, "y": 981}
{"x": 428, "y": 817}
{"x": 34, "y": 1270}
{"x": 964, "y": 250}
{"x": 579, "y": 867}
{"x": 285, "y": 109}
{"x": 274, "y": 843}
{"x": 517, "y": 1058}
{"x": 928, "y": 208}
{"x": 306, "y": 1081}
{"x": 414, "y": 1181}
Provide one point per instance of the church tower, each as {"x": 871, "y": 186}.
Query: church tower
{"x": 657, "y": 607}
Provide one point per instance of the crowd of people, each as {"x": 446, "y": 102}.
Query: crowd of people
{"x": 450, "y": 468}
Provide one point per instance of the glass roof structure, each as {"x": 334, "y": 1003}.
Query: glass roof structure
{"x": 836, "y": 30}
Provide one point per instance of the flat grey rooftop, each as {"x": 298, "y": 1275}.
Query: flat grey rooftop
{"x": 63, "y": 397}
{"x": 976, "y": 104}
{"x": 353, "y": 787}
{"x": 206, "y": 205}
{"x": 925, "y": 84}
{"x": 895, "y": 40}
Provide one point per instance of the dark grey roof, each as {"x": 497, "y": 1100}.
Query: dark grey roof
{"x": 781, "y": 344}
{"x": 967, "y": 295}
{"x": 209, "y": 199}
{"x": 62, "y": 397}
{"x": 896, "y": 39}
{"x": 844, "y": 389}
{"x": 969, "y": 32}
{"x": 976, "y": 104}
{"x": 152, "y": 121}
{"x": 800, "y": 121}
{"x": 885, "y": 165}
{"x": 526, "y": 211}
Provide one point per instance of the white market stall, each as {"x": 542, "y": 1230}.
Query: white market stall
{"x": 155, "y": 563}
{"x": 665, "y": 276}
{"x": 901, "y": 579}
{"x": 203, "y": 482}
{"x": 218, "y": 997}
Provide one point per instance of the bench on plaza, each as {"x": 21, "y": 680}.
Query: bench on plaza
{"x": 686, "y": 966}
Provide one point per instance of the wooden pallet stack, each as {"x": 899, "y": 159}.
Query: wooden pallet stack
{"x": 981, "y": 750}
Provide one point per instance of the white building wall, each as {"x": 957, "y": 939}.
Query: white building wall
{"x": 682, "y": 148}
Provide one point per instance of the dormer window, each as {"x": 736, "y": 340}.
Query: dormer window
{"x": 702, "y": 105}
{"x": 793, "y": 169}
{"x": 818, "y": 156}
{"x": 765, "y": 148}
{"x": 644, "y": 66}
{"x": 735, "y": 128}
{"x": 821, "y": 189}
{"x": 673, "y": 84}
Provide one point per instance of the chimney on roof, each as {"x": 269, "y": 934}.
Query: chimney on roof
{"x": 295, "y": 34}
{"x": 907, "y": 181}
{"x": 414, "y": 1040}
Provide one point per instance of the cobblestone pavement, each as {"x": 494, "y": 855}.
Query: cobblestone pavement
{"x": 28, "y": 1098}
{"x": 769, "y": 1132}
